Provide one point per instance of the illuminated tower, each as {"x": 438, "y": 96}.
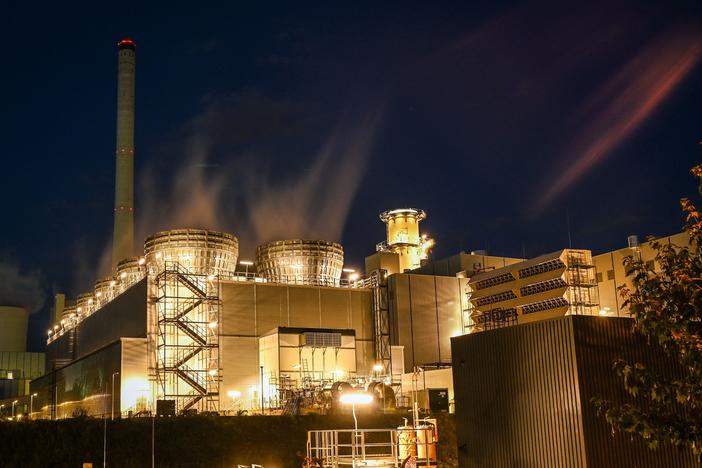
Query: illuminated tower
{"x": 123, "y": 237}
{"x": 403, "y": 236}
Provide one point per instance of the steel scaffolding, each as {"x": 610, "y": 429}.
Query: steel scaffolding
{"x": 187, "y": 348}
{"x": 381, "y": 320}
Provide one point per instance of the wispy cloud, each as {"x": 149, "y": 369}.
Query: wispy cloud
{"x": 216, "y": 184}
{"x": 21, "y": 288}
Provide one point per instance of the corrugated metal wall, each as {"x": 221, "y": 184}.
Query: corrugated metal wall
{"x": 599, "y": 341}
{"x": 522, "y": 396}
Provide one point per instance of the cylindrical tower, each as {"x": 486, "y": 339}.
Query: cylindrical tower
{"x": 299, "y": 261}
{"x": 13, "y": 328}
{"x": 197, "y": 250}
{"x": 129, "y": 271}
{"x": 85, "y": 304}
{"x": 123, "y": 236}
{"x": 105, "y": 291}
{"x": 403, "y": 237}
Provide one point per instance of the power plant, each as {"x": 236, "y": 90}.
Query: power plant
{"x": 184, "y": 325}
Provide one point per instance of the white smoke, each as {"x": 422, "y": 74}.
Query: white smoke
{"x": 246, "y": 194}
{"x": 21, "y": 288}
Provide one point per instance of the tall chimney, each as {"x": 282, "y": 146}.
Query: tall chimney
{"x": 123, "y": 237}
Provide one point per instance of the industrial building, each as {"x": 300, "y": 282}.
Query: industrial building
{"x": 530, "y": 403}
{"x": 17, "y": 366}
{"x": 610, "y": 272}
{"x": 185, "y": 325}
{"x": 560, "y": 283}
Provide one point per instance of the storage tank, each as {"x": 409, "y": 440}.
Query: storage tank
{"x": 129, "y": 271}
{"x": 299, "y": 261}
{"x": 13, "y": 328}
{"x": 85, "y": 304}
{"x": 197, "y": 250}
{"x": 105, "y": 291}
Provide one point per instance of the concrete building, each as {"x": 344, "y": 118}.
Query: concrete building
{"x": 611, "y": 275}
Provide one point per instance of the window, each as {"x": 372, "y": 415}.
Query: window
{"x": 599, "y": 277}
{"x": 610, "y": 274}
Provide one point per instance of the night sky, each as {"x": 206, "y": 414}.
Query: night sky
{"x": 502, "y": 120}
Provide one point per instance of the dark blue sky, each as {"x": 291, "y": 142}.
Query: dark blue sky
{"x": 304, "y": 119}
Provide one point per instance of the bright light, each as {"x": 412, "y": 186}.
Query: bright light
{"x": 246, "y": 262}
{"x": 121, "y": 275}
{"x": 356, "y": 398}
{"x": 98, "y": 294}
{"x": 158, "y": 255}
{"x": 378, "y": 368}
{"x": 211, "y": 277}
{"x": 134, "y": 389}
{"x": 604, "y": 311}
{"x": 338, "y": 373}
{"x": 212, "y": 324}
{"x": 349, "y": 270}
{"x": 142, "y": 260}
{"x": 233, "y": 394}
{"x": 49, "y": 331}
{"x": 35, "y": 394}
{"x": 296, "y": 366}
{"x": 253, "y": 388}
{"x": 56, "y": 327}
{"x": 354, "y": 276}
{"x": 79, "y": 309}
{"x": 213, "y": 372}
{"x": 62, "y": 321}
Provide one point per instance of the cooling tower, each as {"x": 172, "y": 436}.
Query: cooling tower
{"x": 123, "y": 236}
{"x": 298, "y": 261}
{"x": 68, "y": 311}
{"x": 129, "y": 271}
{"x": 105, "y": 291}
{"x": 13, "y": 328}
{"x": 197, "y": 250}
{"x": 85, "y": 304}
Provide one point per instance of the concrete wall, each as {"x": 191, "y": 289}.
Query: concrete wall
{"x": 611, "y": 274}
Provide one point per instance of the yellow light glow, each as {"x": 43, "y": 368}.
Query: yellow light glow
{"x": 354, "y": 277}
{"x": 211, "y": 277}
{"x": 122, "y": 275}
{"x": 134, "y": 389}
{"x": 213, "y": 372}
{"x": 142, "y": 260}
{"x": 246, "y": 263}
{"x": 356, "y": 398}
{"x": 233, "y": 394}
{"x": 212, "y": 324}
{"x": 378, "y": 367}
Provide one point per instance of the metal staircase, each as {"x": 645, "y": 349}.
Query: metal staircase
{"x": 187, "y": 362}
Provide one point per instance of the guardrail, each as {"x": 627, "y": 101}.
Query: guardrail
{"x": 371, "y": 447}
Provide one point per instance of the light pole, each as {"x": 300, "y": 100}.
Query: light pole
{"x": 13, "y": 409}
{"x": 112, "y": 398}
{"x": 31, "y": 404}
{"x": 355, "y": 398}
